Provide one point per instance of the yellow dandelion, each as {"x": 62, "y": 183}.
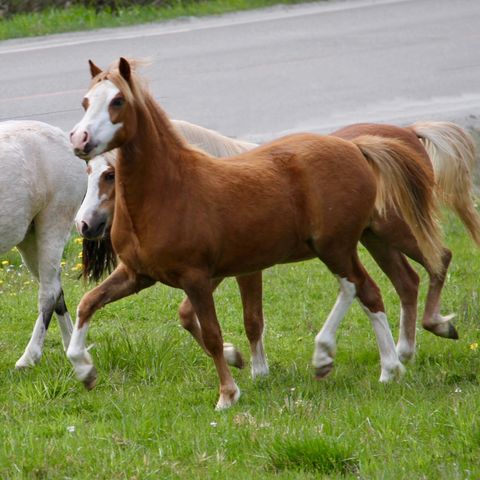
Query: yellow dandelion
{"x": 78, "y": 241}
{"x": 78, "y": 266}
{"x": 63, "y": 263}
{"x": 80, "y": 255}
{"x": 27, "y": 282}
{"x": 4, "y": 262}
{"x": 474, "y": 346}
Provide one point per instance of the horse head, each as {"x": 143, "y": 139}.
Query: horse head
{"x": 95, "y": 216}
{"x": 110, "y": 117}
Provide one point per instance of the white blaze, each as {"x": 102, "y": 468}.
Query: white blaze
{"x": 92, "y": 200}
{"x": 96, "y": 120}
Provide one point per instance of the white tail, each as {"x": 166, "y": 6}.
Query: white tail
{"x": 452, "y": 153}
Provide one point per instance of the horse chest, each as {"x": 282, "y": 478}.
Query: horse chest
{"x": 136, "y": 252}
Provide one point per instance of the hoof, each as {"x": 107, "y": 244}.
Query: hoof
{"x": 27, "y": 361}
{"x": 23, "y": 364}
{"x": 323, "y": 371}
{"x": 91, "y": 379}
{"x": 259, "y": 371}
{"x": 406, "y": 356}
{"x": 227, "y": 400}
{"x": 392, "y": 374}
{"x": 233, "y": 356}
{"x": 444, "y": 328}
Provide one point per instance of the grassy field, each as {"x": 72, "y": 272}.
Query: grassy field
{"x": 151, "y": 414}
{"x": 77, "y": 18}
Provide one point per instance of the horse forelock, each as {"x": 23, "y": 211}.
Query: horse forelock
{"x": 111, "y": 157}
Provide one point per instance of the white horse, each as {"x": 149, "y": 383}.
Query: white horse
{"x": 42, "y": 184}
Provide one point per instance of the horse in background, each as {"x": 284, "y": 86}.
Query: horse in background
{"x": 41, "y": 188}
{"x": 187, "y": 219}
{"x": 451, "y": 151}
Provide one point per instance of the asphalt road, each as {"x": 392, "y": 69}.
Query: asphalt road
{"x": 260, "y": 74}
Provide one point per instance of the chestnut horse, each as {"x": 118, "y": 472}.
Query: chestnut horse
{"x": 453, "y": 153}
{"x": 187, "y": 219}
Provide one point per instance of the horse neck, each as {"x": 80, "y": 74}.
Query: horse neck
{"x": 154, "y": 156}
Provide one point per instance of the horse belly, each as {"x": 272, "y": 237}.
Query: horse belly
{"x": 11, "y": 234}
{"x": 259, "y": 253}
{"x": 17, "y": 210}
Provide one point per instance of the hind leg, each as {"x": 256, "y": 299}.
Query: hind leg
{"x": 33, "y": 352}
{"x": 356, "y": 283}
{"x": 42, "y": 251}
{"x": 189, "y": 321}
{"x": 251, "y": 292}
{"x": 433, "y": 321}
{"x": 45, "y": 267}
{"x": 393, "y": 230}
{"x": 64, "y": 321}
{"x": 405, "y": 281}
{"x": 370, "y": 299}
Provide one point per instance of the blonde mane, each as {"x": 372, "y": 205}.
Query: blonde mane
{"x": 210, "y": 141}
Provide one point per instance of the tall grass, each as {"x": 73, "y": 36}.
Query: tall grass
{"x": 78, "y": 17}
{"x": 151, "y": 414}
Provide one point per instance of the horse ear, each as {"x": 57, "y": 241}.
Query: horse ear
{"x": 124, "y": 68}
{"x": 94, "y": 70}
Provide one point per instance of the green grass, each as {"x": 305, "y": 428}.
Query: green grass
{"x": 152, "y": 412}
{"x": 77, "y": 18}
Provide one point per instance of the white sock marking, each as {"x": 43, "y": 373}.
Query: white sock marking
{"x": 33, "y": 351}
{"x": 390, "y": 363}
{"x": 325, "y": 341}
{"x": 259, "y": 360}
{"x": 77, "y": 352}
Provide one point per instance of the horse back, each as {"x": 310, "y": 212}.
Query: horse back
{"x": 406, "y": 134}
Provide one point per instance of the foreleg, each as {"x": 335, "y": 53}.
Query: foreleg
{"x": 199, "y": 290}
{"x": 121, "y": 283}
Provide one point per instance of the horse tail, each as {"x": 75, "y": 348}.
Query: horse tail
{"x": 405, "y": 184}
{"x": 452, "y": 153}
{"x": 98, "y": 258}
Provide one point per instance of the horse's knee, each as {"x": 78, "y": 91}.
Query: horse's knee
{"x": 86, "y": 308}
{"x": 49, "y": 293}
{"x": 186, "y": 314}
{"x": 61, "y": 306}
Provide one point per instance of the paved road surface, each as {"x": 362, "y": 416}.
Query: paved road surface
{"x": 259, "y": 74}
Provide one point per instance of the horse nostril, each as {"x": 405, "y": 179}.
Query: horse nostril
{"x": 85, "y": 137}
{"x": 99, "y": 231}
{"x": 85, "y": 228}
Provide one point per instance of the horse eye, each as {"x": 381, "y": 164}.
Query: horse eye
{"x": 110, "y": 176}
{"x": 118, "y": 102}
